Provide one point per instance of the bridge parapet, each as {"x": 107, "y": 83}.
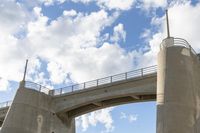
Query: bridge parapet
{"x": 106, "y": 80}
{"x": 177, "y": 42}
{"x": 94, "y": 83}
{"x": 37, "y": 87}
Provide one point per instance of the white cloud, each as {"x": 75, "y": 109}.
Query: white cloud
{"x": 116, "y": 4}
{"x": 70, "y": 13}
{"x": 186, "y": 26}
{"x": 72, "y": 43}
{"x": 123, "y": 115}
{"x": 118, "y": 34}
{"x": 11, "y": 12}
{"x": 92, "y": 119}
{"x": 130, "y": 117}
{"x": 57, "y": 74}
{"x": 104, "y": 4}
{"x": 69, "y": 45}
{"x": 133, "y": 118}
{"x": 148, "y": 4}
{"x": 4, "y": 84}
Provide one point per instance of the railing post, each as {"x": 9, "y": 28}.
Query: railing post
{"x": 72, "y": 88}
{"x": 51, "y": 92}
{"x": 40, "y": 88}
{"x": 110, "y": 79}
{"x": 61, "y": 91}
{"x": 84, "y": 85}
{"x": 142, "y": 72}
{"x": 126, "y": 75}
{"x": 97, "y": 82}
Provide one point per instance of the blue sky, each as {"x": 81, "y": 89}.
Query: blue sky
{"x": 72, "y": 41}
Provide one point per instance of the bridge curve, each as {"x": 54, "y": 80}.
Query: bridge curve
{"x": 74, "y": 104}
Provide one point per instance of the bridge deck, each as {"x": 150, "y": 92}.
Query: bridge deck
{"x": 142, "y": 81}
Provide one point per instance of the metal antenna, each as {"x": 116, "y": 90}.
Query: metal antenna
{"x": 167, "y": 19}
{"x": 25, "y": 70}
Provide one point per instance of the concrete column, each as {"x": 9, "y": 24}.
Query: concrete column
{"x": 178, "y": 89}
{"x": 31, "y": 112}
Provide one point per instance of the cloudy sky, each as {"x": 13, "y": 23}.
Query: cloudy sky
{"x": 72, "y": 41}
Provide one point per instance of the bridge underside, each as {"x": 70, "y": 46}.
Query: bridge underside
{"x": 132, "y": 91}
{"x": 109, "y": 103}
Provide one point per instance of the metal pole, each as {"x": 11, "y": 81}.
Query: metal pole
{"x": 167, "y": 19}
{"x": 25, "y": 70}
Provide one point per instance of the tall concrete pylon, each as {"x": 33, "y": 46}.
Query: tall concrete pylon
{"x": 178, "y": 88}
{"x": 32, "y": 112}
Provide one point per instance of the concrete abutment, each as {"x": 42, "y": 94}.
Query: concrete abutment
{"x": 31, "y": 112}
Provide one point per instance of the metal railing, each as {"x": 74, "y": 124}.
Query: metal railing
{"x": 180, "y": 42}
{"x": 37, "y": 87}
{"x": 5, "y": 104}
{"x": 103, "y": 81}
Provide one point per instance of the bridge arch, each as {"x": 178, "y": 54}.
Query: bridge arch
{"x": 84, "y": 101}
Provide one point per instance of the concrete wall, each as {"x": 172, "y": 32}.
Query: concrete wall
{"x": 31, "y": 112}
{"x": 178, "y": 90}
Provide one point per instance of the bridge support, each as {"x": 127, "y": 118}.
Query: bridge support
{"x": 178, "y": 89}
{"x": 32, "y": 112}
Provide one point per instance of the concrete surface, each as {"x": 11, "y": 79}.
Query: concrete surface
{"x": 36, "y": 112}
{"x": 31, "y": 112}
{"x": 178, "y": 90}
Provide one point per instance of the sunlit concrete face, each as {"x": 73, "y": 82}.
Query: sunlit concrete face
{"x": 36, "y": 112}
{"x": 178, "y": 89}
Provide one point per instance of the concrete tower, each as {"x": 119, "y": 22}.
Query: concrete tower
{"x": 178, "y": 87}
{"x": 32, "y": 112}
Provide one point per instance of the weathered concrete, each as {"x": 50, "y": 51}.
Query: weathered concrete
{"x": 36, "y": 112}
{"x": 84, "y": 101}
{"x": 178, "y": 90}
{"x": 31, "y": 112}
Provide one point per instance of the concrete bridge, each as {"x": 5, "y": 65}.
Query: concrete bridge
{"x": 174, "y": 85}
{"x": 134, "y": 86}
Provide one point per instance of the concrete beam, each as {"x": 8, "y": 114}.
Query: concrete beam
{"x": 96, "y": 97}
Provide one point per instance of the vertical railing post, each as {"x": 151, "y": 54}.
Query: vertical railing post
{"x": 84, "y": 85}
{"x": 97, "y": 82}
{"x": 126, "y": 75}
{"x": 40, "y": 87}
{"x": 60, "y": 90}
{"x": 110, "y": 79}
{"x": 72, "y": 88}
{"x": 142, "y": 72}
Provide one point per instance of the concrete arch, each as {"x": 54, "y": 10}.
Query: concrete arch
{"x": 84, "y": 101}
{"x": 58, "y": 112}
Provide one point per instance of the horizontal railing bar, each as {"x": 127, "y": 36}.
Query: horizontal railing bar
{"x": 113, "y": 78}
{"x": 93, "y": 83}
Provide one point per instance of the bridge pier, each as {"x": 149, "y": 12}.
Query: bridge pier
{"x": 178, "y": 89}
{"x": 32, "y": 112}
